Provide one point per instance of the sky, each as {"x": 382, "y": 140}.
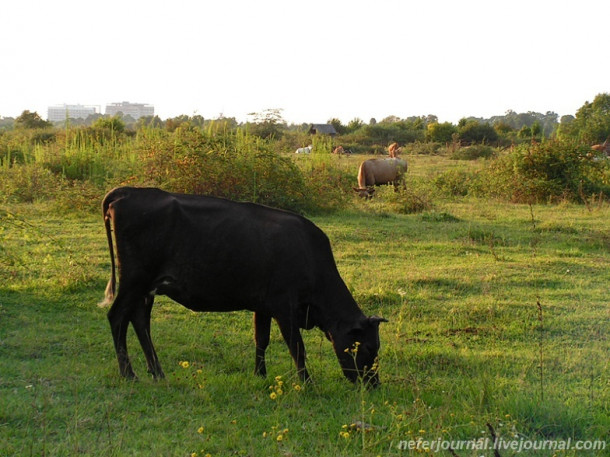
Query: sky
{"x": 315, "y": 60}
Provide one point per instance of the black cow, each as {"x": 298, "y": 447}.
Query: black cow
{"x": 212, "y": 254}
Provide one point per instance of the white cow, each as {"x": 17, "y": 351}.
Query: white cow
{"x": 305, "y": 150}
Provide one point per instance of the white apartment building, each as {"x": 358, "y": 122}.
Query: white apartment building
{"x": 135, "y": 110}
{"x": 60, "y": 113}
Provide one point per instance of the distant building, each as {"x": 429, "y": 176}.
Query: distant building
{"x": 322, "y": 129}
{"x": 60, "y": 113}
{"x": 135, "y": 110}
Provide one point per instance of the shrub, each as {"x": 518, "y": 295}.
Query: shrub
{"x": 455, "y": 182}
{"x": 423, "y": 148}
{"x": 413, "y": 199}
{"x": 27, "y": 183}
{"x": 541, "y": 172}
{"x": 477, "y": 151}
{"x": 475, "y": 132}
{"x": 238, "y": 166}
{"x": 440, "y": 133}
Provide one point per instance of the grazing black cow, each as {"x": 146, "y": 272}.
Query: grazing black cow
{"x": 212, "y": 254}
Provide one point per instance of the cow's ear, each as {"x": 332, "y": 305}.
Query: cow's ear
{"x": 376, "y": 320}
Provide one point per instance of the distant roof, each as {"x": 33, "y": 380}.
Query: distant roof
{"x": 322, "y": 129}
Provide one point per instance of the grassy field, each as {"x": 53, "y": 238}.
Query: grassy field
{"x": 498, "y": 319}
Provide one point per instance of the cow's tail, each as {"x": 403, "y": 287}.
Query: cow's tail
{"x": 111, "y": 287}
{"x": 362, "y": 177}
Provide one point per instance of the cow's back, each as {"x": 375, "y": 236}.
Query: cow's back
{"x": 381, "y": 171}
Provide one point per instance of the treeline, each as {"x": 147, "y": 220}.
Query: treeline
{"x": 253, "y": 161}
{"x": 590, "y": 124}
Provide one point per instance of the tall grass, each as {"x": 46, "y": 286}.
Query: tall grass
{"x": 79, "y": 161}
{"x": 214, "y": 161}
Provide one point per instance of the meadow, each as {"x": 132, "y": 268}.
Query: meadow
{"x": 498, "y": 325}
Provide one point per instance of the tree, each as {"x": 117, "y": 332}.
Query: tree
{"x": 440, "y": 133}
{"x": 114, "y": 123}
{"x": 431, "y": 119}
{"x": 6, "y": 123}
{"x": 476, "y": 132}
{"x": 339, "y": 127}
{"x": 267, "y": 124}
{"x": 149, "y": 121}
{"x": 502, "y": 128}
{"x": 592, "y": 121}
{"x": 354, "y": 125}
{"x": 536, "y": 129}
{"x": 525, "y": 132}
{"x": 29, "y": 120}
{"x": 390, "y": 120}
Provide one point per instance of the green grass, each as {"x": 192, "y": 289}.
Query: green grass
{"x": 459, "y": 284}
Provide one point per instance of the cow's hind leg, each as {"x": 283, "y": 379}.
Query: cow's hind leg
{"x": 119, "y": 316}
{"x": 292, "y": 335}
{"x": 140, "y": 318}
{"x": 262, "y": 328}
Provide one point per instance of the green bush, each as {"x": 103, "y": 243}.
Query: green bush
{"x": 455, "y": 182}
{"x": 541, "y": 172}
{"x": 477, "y": 151}
{"x": 27, "y": 183}
{"x": 423, "y": 148}
{"x": 476, "y": 132}
{"x": 238, "y": 166}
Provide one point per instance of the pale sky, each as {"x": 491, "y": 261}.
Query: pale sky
{"x": 314, "y": 59}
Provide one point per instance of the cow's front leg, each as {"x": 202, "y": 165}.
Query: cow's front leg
{"x": 262, "y": 329}
{"x": 292, "y": 336}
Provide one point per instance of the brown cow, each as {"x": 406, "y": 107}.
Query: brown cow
{"x": 375, "y": 172}
{"x": 603, "y": 148}
{"x": 393, "y": 150}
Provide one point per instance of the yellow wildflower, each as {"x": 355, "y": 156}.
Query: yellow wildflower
{"x": 273, "y": 395}
{"x": 185, "y": 364}
{"x": 200, "y": 430}
{"x": 280, "y": 437}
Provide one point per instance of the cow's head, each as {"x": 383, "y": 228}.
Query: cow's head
{"x": 365, "y": 192}
{"x": 357, "y": 348}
